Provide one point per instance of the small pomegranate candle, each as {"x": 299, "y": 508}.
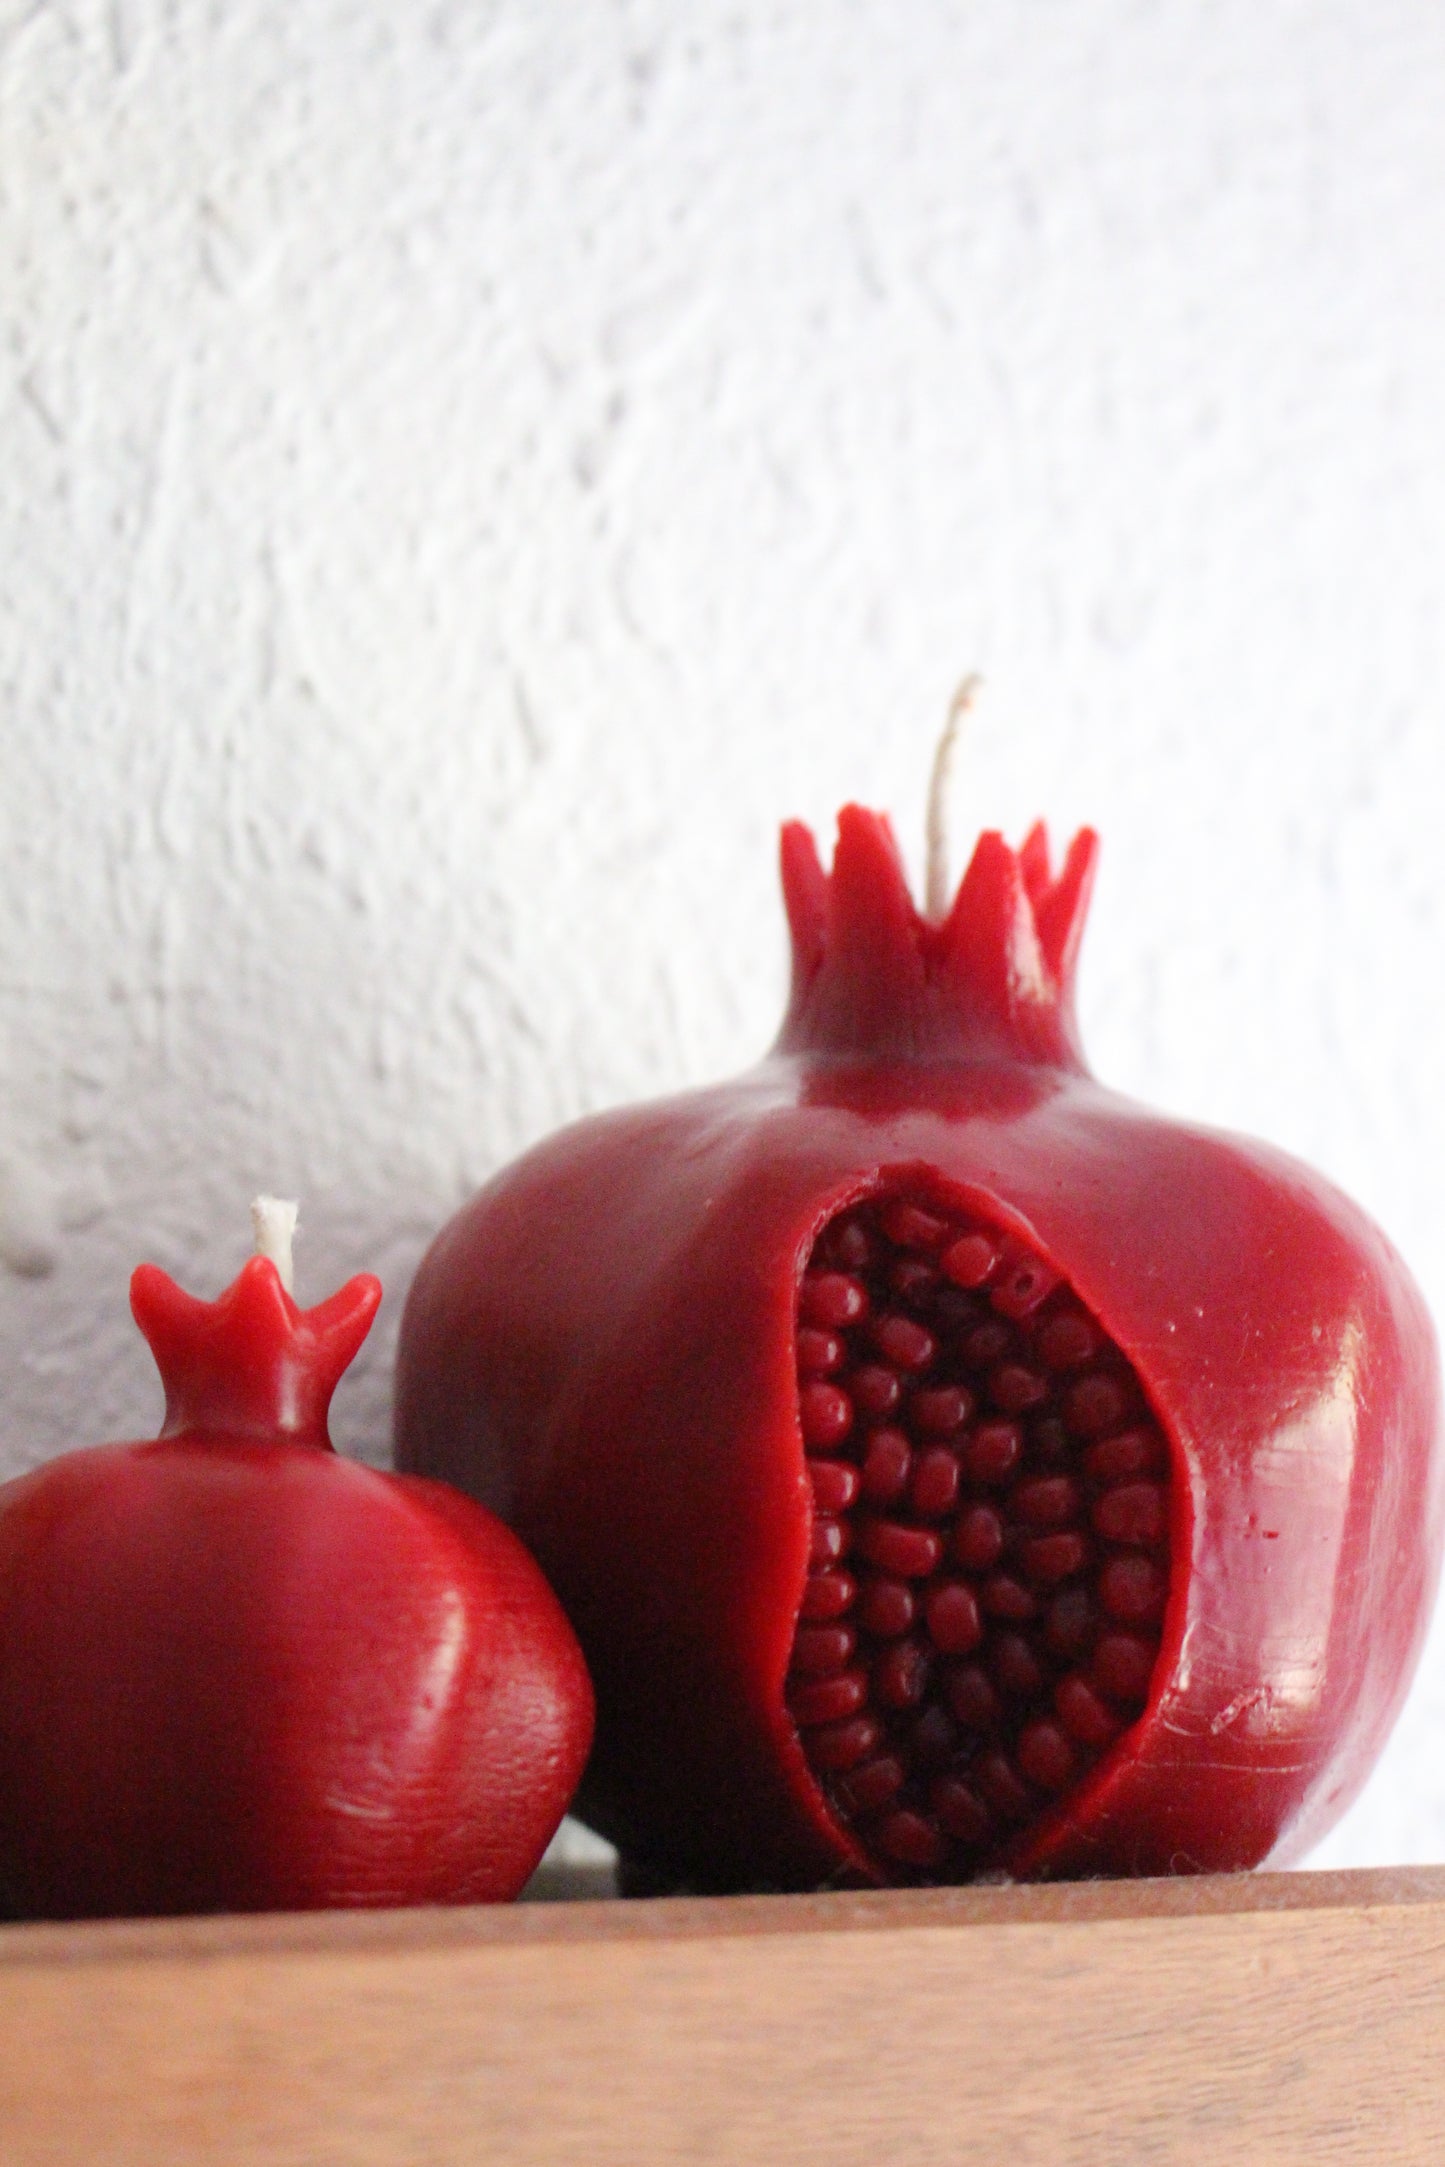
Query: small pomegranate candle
{"x": 240, "y": 1673}
{"x": 950, "y": 1466}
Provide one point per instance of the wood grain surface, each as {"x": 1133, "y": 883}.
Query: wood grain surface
{"x": 1278, "y": 2018}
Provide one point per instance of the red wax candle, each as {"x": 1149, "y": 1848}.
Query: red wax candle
{"x": 949, "y": 1465}
{"x": 238, "y": 1672}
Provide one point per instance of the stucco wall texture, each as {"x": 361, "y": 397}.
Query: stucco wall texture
{"x": 471, "y": 469}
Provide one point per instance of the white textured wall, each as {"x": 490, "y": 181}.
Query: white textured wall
{"x": 469, "y": 470}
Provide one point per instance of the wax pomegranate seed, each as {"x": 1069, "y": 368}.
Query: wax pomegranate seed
{"x": 952, "y": 1615}
{"x": 1002, "y": 1596}
{"x": 933, "y": 1490}
{"x": 1084, "y": 1715}
{"x": 1067, "y": 1340}
{"x": 910, "y": 1227}
{"x": 987, "y": 1344}
{"x": 1001, "y": 1786}
{"x": 959, "y": 1810}
{"x": 830, "y": 1542}
{"x": 1032, "y": 1647}
{"x": 978, "y": 1538}
{"x": 913, "y": 1281}
{"x": 1014, "y": 1667}
{"x": 819, "y": 1650}
{"x": 1123, "y": 1665}
{"x": 1132, "y": 1590}
{"x": 875, "y": 1390}
{"x": 835, "y": 1484}
{"x": 904, "y": 1342}
{"x": 1133, "y": 1513}
{"x": 819, "y": 1353}
{"x": 973, "y": 1697}
{"x": 934, "y": 1737}
{"x": 910, "y": 1552}
{"x": 1022, "y": 1285}
{"x": 1122, "y": 1457}
{"x": 843, "y": 1745}
{"x": 825, "y": 1414}
{"x": 1045, "y": 1755}
{"x": 870, "y": 1786}
{"x": 1047, "y": 1559}
{"x": 1012, "y": 1387}
{"x": 970, "y": 1260}
{"x": 1096, "y": 1404}
{"x": 900, "y": 1674}
{"x": 1047, "y": 1501}
{"x": 887, "y": 1463}
{"x": 849, "y": 1246}
{"x": 828, "y": 1595}
{"x": 939, "y": 1411}
{"x": 887, "y": 1608}
{"x": 992, "y": 1451}
{"x": 828, "y": 1700}
{"x": 1070, "y": 1623}
{"x": 833, "y": 1300}
{"x": 911, "y": 1840}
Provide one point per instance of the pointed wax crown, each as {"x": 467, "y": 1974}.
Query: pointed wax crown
{"x": 992, "y": 980}
{"x": 251, "y": 1364}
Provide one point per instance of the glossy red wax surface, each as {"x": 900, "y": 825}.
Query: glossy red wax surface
{"x": 601, "y": 1346}
{"x": 239, "y": 1672}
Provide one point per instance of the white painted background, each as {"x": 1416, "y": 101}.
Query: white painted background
{"x": 470, "y": 469}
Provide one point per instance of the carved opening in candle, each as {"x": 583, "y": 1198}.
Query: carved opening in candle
{"x": 990, "y": 1559}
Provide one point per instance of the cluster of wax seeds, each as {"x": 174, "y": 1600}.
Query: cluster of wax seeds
{"x": 989, "y": 1560}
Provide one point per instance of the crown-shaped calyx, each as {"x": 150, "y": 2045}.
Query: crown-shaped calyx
{"x": 991, "y": 980}
{"x": 251, "y": 1364}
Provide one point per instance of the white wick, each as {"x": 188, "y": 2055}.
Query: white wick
{"x": 935, "y": 888}
{"x": 274, "y": 1221}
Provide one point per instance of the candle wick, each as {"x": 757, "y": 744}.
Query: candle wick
{"x": 273, "y": 1219}
{"x": 936, "y": 889}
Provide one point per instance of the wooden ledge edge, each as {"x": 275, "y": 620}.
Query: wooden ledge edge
{"x": 689, "y": 1918}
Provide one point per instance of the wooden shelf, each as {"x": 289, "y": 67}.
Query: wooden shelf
{"x": 1273, "y": 2018}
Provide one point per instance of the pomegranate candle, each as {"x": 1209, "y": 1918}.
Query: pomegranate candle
{"x": 950, "y": 1466}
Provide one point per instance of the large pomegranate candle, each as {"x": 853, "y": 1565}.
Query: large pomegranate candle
{"x": 949, "y": 1466}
